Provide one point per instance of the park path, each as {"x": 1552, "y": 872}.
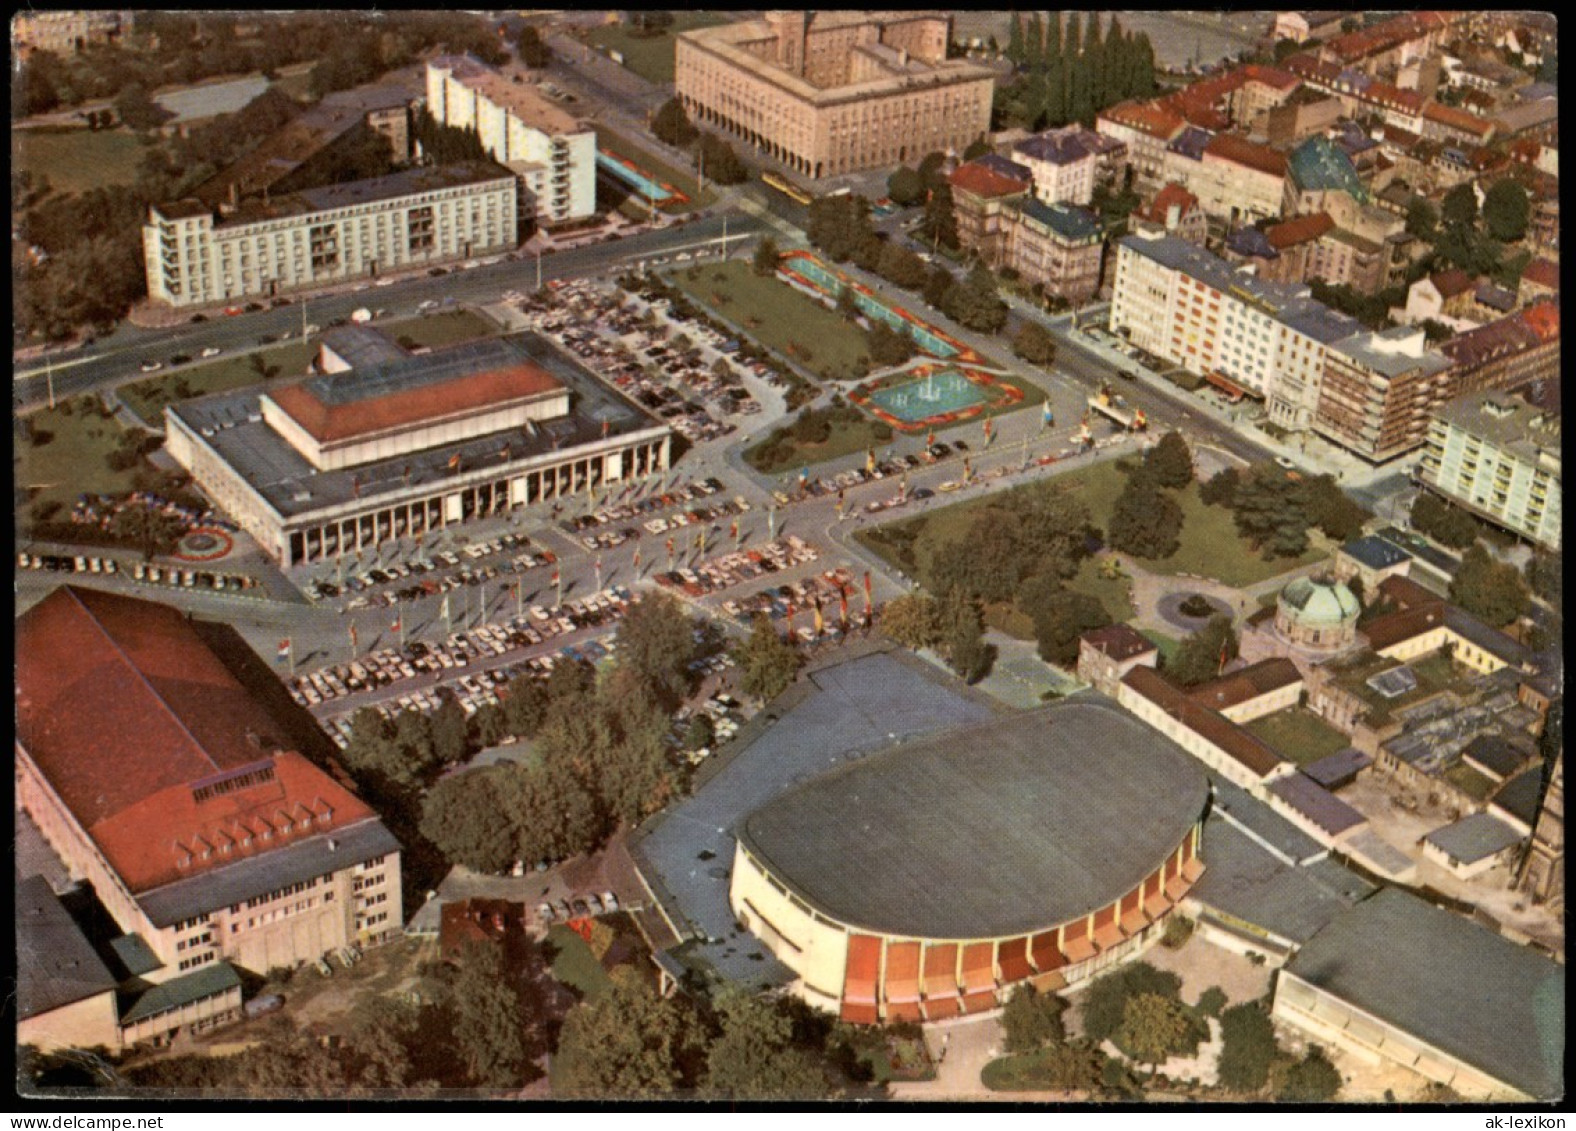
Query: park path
{"x": 1147, "y": 589}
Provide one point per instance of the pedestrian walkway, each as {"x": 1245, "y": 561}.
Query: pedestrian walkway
{"x": 1148, "y": 590}
{"x": 960, "y": 1050}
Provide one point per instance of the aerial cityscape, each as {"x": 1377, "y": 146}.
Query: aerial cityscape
{"x": 788, "y": 556}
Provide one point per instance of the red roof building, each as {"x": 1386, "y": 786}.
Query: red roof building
{"x": 1297, "y": 231}
{"x": 155, "y": 772}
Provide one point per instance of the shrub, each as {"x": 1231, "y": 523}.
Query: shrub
{"x": 1212, "y": 1001}
{"x": 1179, "y": 928}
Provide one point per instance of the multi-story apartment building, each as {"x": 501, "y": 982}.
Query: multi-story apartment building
{"x": 983, "y": 193}
{"x": 1176, "y": 212}
{"x": 1059, "y": 246}
{"x": 553, "y": 154}
{"x": 66, "y": 33}
{"x": 1378, "y": 390}
{"x": 1506, "y": 353}
{"x": 196, "y": 254}
{"x": 160, "y": 778}
{"x": 835, "y": 92}
{"x": 1239, "y": 181}
{"x": 1498, "y": 455}
{"x": 1146, "y": 128}
{"x": 1454, "y": 126}
{"x": 1299, "y": 27}
{"x": 1063, "y": 163}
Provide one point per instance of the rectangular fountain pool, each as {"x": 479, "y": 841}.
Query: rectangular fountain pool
{"x": 642, "y": 184}
{"x": 934, "y": 395}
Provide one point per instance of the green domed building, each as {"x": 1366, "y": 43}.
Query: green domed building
{"x": 1317, "y": 613}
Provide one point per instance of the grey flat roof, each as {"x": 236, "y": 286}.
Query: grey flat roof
{"x": 1374, "y": 552}
{"x": 293, "y": 487}
{"x": 1316, "y": 803}
{"x": 1519, "y": 797}
{"x": 834, "y": 715}
{"x": 55, "y": 963}
{"x": 246, "y": 879}
{"x": 407, "y": 372}
{"x": 361, "y": 346}
{"x": 1474, "y": 837}
{"x": 135, "y": 954}
{"x": 1494, "y": 754}
{"x": 1334, "y": 767}
{"x": 1018, "y": 825}
{"x": 1260, "y": 820}
{"x": 1460, "y": 987}
{"x": 1245, "y": 881}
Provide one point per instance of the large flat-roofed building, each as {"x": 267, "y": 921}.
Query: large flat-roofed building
{"x": 158, "y": 777}
{"x": 198, "y": 253}
{"x": 835, "y": 92}
{"x": 1395, "y": 979}
{"x": 1498, "y": 455}
{"x": 67, "y": 33}
{"x": 346, "y": 461}
{"x": 552, "y": 153}
{"x": 930, "y": 880}
{"x": 1378, "y": 391}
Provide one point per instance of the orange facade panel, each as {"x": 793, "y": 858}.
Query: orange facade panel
{"x": 1078, "y": 949}
{"x": 1134, "y": 921}
{"x": 1013, "y": 958}
{"x": 1046, "y": 954}
{"x": 1104, "y": 917}
{"x": 1176, "y": 889}
{"x": 979, "y": 967}
{"x": 1108, "y": 936}
{"x": 859, "y": 1014}
{"x": 902, "y": 971}
{"x": 1157, "y": 905}
{"x": 941, "y": 970}
{"x": 864, "y": 968}
{"x": 904, "y": 1011}
{"x": 941, "y": 1008}
{"x": 979, "y": 1002}
{"x": 1192, "y": 869}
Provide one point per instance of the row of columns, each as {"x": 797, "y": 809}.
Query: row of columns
{"x": 448, "y": 508}
{"x": 763, "y": 143}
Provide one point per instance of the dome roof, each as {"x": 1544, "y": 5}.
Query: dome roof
{"x": 1319, "y": 601}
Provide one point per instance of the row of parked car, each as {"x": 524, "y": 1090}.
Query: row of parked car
{"x": 739, "y": 566}
{"x": 679, "y": 495}
{"x": 439, "y": 572}
{"x": 826, "y": 588}
{"x": 181, "y": 577}
{"x": 579, "y": 907}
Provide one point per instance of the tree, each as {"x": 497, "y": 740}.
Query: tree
{"x": 1312, "y": 1080}
{"x": 847, "y": 304}
{"x": 1104, "y": 1004}
{"x": 1062, "y": 620}
{"x": 1145, "y": 521}
{"x": 533, "y": 51}
{"x": 1212, "y": 1001}
{"x": 913, "y": 620}
{"x": 939, "y": 224}
{"x": 838, "y": 225}
{"x": 1156, "y": 1027}
{"x": 1506, "y": 210}
{"x": 1170, "y": 462}
{"x": 1270, "y": 512}
{"x": 1248, "y": 1048}
{"x": 1015, "y": 49}
{"x": 716, "y": 159}
{"x": 1422, "y": 219}
{"x": 1545, "y": 575}
{"x": 937, "y": 286}
{"x": 977, "y": 148}
{"x": 888, "y": 347}
{"x": 1034, "y": 344}
{"x": 975, "y": 303}
{"x": 905, "y": 187}
{"x": 899, "y": 265}
{"x": 755, "y": 1056}
{"x": 768, "y": 662}
{"x": 1489, "y": 589}
{"x": 1459, "y": 210}
{"x": 139, "y": 111}
{"x": 1031, "y": 1019}
{"x": 767, "y": 253}
{"x": 467, "y": 819}
{"x": 1201, "y": 656}
{"x": 625, "y": 1044}
{"x": 1332, "y": 510}
{"x": 963, "y": 637}
{"x": 490, "y": 1019}
{"x": 1220, "y": 489}
{"x": 671, "y": 124}
{"x": 1445, "y": 524}
{"x": 656, "y": 641}
{"x": 148, "y": 527}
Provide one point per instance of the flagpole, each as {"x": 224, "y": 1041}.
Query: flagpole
{"x": 289, "y": 640}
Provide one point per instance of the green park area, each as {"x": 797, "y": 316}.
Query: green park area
{"x": 434, "y": 331}
{"x": 148, "y": 398}
{"x": 1298, "y": 735}
{"x": 650, "y": 55}
{"x": 778, "y": 317}
{"x": 658, "y": 169}
{"x": 66, "y": 451}
{"x": 76, "y": 159}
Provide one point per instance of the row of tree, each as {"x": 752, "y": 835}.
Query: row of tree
{"x": 1068, "y": 75}
{"x": 1274, "y": 511}
{"x": 714, "y": 158}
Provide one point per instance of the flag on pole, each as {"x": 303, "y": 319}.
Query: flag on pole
{"x": 867, "y": 588}
{"x": 735, "y": 530}
{"x": 1224, "y": 645}
{"x": 842, "y": 608}
{"x": 444, "y": 611}
{"x": 930, "y": 438}
{"x": 870, "y": 461}
{"x": 395, "y": 626}
{"x": 1047, "y": 418}
{"x": 353, "y": 638}
{"x": 284, "y": 650}
{"x": 820, "y": 623}
{"x": 454, "y": 462}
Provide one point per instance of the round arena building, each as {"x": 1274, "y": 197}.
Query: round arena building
{"x": 929, "y": 880}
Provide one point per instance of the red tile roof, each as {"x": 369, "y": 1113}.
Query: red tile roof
{"x": 327, "y": 422}
{"x": 123, "y": 707}
{"x": 1271, "y": 76}
{"x": 1247, "y": 683}
{"x": 1173, "y": 193}
{"x": 1302, "y": 229}
{"x": 1452, "y": 282}
{"x": 1148, "y": 117}
{"x": 1455, "y": 119}
{"x": 1237, "y": 743}
{"x": 1119, "y": 641}
{"x": 1384, "y": 94}
{"x": 1228, "y": 147}
{"x": 981, "y": 181}
{"x": 1543, "y": 319}
{"x": 1542, "y": 273}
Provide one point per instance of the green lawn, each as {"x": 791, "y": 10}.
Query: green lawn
{"x": 76, "y": 159}
{"x": 846, "y": 439}
{"x": 72, "y": 462}
{"x": 659, "y": 169}
{"x": 1023, "y": 1072}
{"x": 778, "y": 317}
{"x": 1111, "y": 592}
{"x": 1298, "y": 735}
{"x": 148, "y": 398}
{"x": 574, "y": 964}
{"x": 446, "y": 329}
{"x": 651, "y": 57}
